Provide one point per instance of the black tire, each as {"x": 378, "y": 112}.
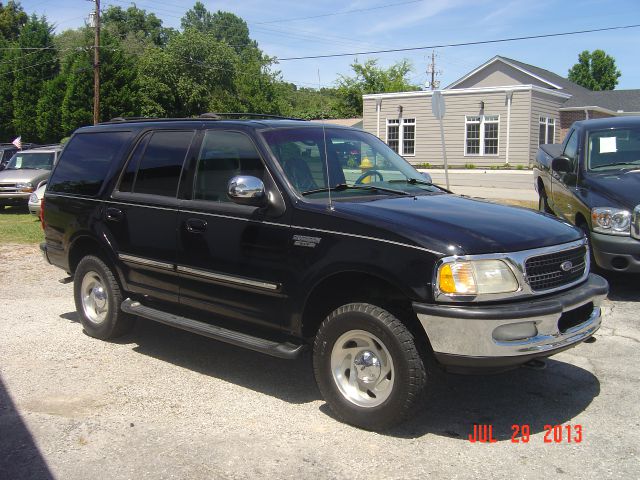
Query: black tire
{"x": 409, "y": 372}
{"x": 115, "y": 322}
{"x": 543, "y": 201}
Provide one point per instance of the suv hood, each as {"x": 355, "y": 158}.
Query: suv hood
{"x": 26, "y": 175}
{"x": 623, "y": 187}
{"x": 458, "y": 225}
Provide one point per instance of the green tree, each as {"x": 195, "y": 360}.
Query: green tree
{"x": 197, "y": 18}
{"x": 370, "y": 78}
{"x": 7, "y": 59}
{"x": 49, "y": 109}
{"x": 224, "y": 26}
{"x": 137, "y": 23}
{"x": 193, "y": 74}
{"x": 229, "y": 28}
{"x": 32, "y": 69}
{"x": 12, "y": 19}
{"x": 257, "y": 87}
{"x": 119, "y": 86}
{"x": 595, "y": 70}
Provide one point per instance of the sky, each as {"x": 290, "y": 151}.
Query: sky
{"x": 283, "y": 29}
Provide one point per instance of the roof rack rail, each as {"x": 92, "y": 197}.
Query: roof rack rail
{"x": 204, "y": 116}
{"x": 128, "y": 119}
{"x": 218, "y": 116}
{"x": 44, "y": 145}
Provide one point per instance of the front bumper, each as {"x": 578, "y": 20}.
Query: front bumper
{"x": 14, "y": 198}
{"x": 621, "y": 254}
{"x": 465, "y": 335}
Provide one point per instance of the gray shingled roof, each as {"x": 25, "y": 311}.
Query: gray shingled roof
{"x": 568, "y": 86}
{"x": 625, "y": 100}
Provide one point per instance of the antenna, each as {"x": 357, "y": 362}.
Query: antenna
{"x": 326, "y": 156}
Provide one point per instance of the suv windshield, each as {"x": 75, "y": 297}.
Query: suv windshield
{"x": 31, "y": 161}
{"x": 357, "y": 163}
{"x": 614, "y": 149}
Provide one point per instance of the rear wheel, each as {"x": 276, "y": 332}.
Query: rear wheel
{"x": 98, "y": 298}
{"x": 367, "y": 366}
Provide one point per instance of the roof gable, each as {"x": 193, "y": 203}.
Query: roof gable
{"x": 535, "y": 74}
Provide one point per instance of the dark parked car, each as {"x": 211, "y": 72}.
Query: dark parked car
{"x": 592, "y": 180}
{"x": 253, "y": 232}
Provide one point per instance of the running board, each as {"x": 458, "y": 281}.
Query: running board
{"x": 281, "y": 350}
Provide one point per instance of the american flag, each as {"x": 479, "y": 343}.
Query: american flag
{"x": 18, "y": 142}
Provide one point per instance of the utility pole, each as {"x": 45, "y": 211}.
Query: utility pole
{"x": 96, "y": 66}
{"x": 431, "y": 69}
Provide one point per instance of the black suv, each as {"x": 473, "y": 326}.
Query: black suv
{"x": 257, "y": 233}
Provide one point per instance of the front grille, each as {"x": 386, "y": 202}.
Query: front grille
{"x": 8, "y": 188}
{"x": 543, "y": 272}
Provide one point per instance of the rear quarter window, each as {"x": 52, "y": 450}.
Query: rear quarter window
{"x": 85, "y": 161}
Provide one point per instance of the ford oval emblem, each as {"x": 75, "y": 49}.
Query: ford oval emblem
{"x": 566, "y": 266}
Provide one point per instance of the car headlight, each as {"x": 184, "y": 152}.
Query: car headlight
{"x": 25, "y": 187}
{"x": 465, "y": 277}
{"x": 33, "y": 198}
{"x": 613, "y": 221}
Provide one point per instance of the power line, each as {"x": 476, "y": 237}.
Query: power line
{"x": 462, "y": 44}
{"x": 357, "y": 10}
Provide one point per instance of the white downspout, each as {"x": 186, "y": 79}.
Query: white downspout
{"x": 509, "y": 97}
{"x": 378, "y": 108}
{"x": 586, "y": 114}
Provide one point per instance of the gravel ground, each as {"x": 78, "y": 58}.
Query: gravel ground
{"x": 161, "y": 403}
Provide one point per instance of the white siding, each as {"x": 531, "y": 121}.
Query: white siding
{"x": 428, "y": 147}
{"x": 543, "y": 105}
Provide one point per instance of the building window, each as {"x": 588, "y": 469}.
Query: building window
{"x": 481, "y": 134}
{"x": 393, "y": 134}
{"x": 547, "y": 130}
{"x": 401, "y": 135}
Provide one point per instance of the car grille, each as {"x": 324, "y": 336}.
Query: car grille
{"x": 544, "y": 272}
{"x": 8, "y": 188}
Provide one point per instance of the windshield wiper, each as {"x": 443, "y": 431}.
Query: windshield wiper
{"x": 343, "y": 186}
{"x": 615, "y": 164}
{"x": 411, "y": 181}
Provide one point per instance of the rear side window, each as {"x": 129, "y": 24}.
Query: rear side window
{"x": 157, "y": 163}
{"x": 85, "y": 162}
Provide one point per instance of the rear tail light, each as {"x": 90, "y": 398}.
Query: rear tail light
{"x": 42, "y": 213}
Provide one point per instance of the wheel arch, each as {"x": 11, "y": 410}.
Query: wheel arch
{"x": 352, "y": 286}
{"x": 83, "y": 245}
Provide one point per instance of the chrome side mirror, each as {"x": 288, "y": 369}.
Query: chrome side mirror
{"x": 246, "y": 190}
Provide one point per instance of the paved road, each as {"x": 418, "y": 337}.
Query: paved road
{"x": 492, "y": 184}
{"x": 161, "y": 403}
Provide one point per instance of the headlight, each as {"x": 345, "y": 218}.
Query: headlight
{"x": 476, "y": 277}
{"x": 24, "y": 187}
{"x": 33, "y": 198}
{"x": 613, "y": 221}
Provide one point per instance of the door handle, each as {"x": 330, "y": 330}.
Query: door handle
{"x": 196, "y": 225}
{"x": 114, "y": 214}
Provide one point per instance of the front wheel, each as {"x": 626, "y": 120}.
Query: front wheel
{"x": 367, "y": 366}
{"x": 98, "y": 298}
